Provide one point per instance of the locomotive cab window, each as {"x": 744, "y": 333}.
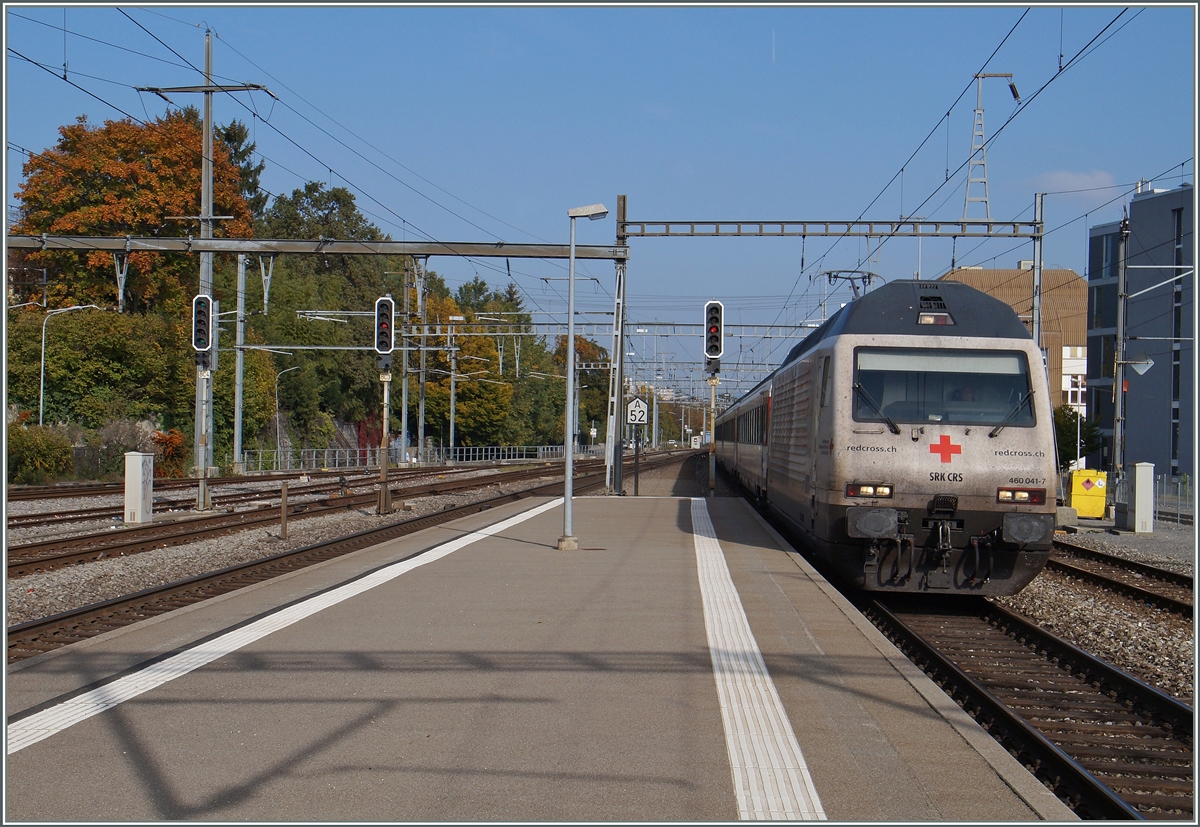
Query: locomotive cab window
{"x": 968, "y": 387}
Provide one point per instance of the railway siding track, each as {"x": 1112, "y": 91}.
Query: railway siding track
{"x": 46, "y": 555}
{"x": 46, "y": 492}
{"x": 218, "y": 500}
{"x": 1106, "y": 743}
{"x": 1165, "y": 589}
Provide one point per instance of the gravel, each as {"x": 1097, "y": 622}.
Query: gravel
{"x": 1169, "y": 546}
{"x": 1153, "y": 644}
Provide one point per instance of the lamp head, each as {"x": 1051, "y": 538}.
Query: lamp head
{"x": 592, "y": 211}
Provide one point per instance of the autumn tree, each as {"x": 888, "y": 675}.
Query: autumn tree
{"x": 125, "y": 178}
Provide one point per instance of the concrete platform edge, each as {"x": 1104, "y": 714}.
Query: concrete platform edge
{"x": 1035, "y": 794}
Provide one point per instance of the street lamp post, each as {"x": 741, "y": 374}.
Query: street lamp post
{"x": 278, "y": 438}
{"x": 42, "y": 380}
{"x": 568, "y": 541}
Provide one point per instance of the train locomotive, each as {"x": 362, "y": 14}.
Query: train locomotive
{"x": 909, "y": 440}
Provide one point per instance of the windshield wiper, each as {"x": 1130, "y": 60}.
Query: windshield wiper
{"x": 892, "y": 426}
{"x": 1011, "y": 414}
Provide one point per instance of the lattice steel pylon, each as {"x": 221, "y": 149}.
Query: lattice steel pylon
{"x": 977, "y": 166}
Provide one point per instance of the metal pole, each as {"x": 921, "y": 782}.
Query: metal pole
{"x": 239, "y": 463}
{"x": 618, "y": 484}
{"x": 1118, "y": 446}
{"x": 204, "y": 413}
{"x": 637, "y": 456}
{"x": 42, "y": 381}
{"x": 283, "y": 508}
{"x": 385, "y": 494}
{"x": 712, "y": 438}
{"x": 278, "y": 429}
{"x": 422, "y": 310}
{"x": 1037, "y": 274}
{"x": 404, "y": 372}
{"x": 568, "y": 541}
{"x": 453, "y": 386}
{"x": 202, "y": 497}
{"x": 654, "y": 431}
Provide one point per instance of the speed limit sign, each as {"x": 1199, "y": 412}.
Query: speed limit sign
{"x": 635, "y": 412}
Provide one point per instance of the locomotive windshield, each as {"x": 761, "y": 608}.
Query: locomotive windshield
{"x": 968, "y": 387}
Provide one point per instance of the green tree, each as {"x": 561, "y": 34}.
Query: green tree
{"x": 341, "y": 384}
{"x": 235, "y": 136}
{"x": 1070, "y": 427}
{"x": 473, "y": 295}
{"x": 101, "y": 366}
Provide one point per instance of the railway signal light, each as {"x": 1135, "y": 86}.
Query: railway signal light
{"x": 385, "y": 334}
{"x": 202, "y": 323}
{"x": 714, "y": 330}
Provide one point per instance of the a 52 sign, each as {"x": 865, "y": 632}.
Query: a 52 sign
{"x": 636, "y": 411}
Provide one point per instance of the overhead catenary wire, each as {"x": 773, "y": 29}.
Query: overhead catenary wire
{"x": 279, "y": 165}
{"x": 405, "y": 222}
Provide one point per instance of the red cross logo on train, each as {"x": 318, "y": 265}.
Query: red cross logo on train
{"x": 945, "y": 448}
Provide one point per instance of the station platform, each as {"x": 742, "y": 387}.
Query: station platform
{"x": 683, "y": 665}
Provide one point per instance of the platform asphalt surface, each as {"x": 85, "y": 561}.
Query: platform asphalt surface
{"x": 510, "y": 681}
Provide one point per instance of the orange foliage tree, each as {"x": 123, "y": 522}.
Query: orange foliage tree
{"x": 125, "y": 178}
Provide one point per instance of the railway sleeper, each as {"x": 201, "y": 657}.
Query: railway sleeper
{"x": 1132, "y": 771}
{"x": 1127, "y": 786}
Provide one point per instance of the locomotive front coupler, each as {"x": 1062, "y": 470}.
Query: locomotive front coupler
{"x": 984, "y": 543}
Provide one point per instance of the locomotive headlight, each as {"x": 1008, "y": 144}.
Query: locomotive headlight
{"x": 1025, "y": 496}
{"x": 859, "y": 489}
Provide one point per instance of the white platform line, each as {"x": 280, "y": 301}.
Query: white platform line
{"x": 50, "y": 721}
{"x": 770, "y": 777}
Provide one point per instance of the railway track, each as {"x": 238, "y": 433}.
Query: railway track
{"x": 218, "y": 500}
{"x": 1107, "y": 744}
{"x": 47, "y": 492}
{"x": 46, "y": 634}
{"x": 47, "y": 555}
{"x": 1168, "y": 590}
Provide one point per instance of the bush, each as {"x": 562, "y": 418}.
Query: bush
{"x": 172, "y": 454}
{"x": 112, "y": 441}
{"x": 38, "y": 455}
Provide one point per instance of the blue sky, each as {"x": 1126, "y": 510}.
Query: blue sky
{"x": 490, "y": 122}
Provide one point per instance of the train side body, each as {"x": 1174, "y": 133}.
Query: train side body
{"x": 911, "y": 456}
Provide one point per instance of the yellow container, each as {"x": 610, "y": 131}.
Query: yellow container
{"x": 1087, "y": 494}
